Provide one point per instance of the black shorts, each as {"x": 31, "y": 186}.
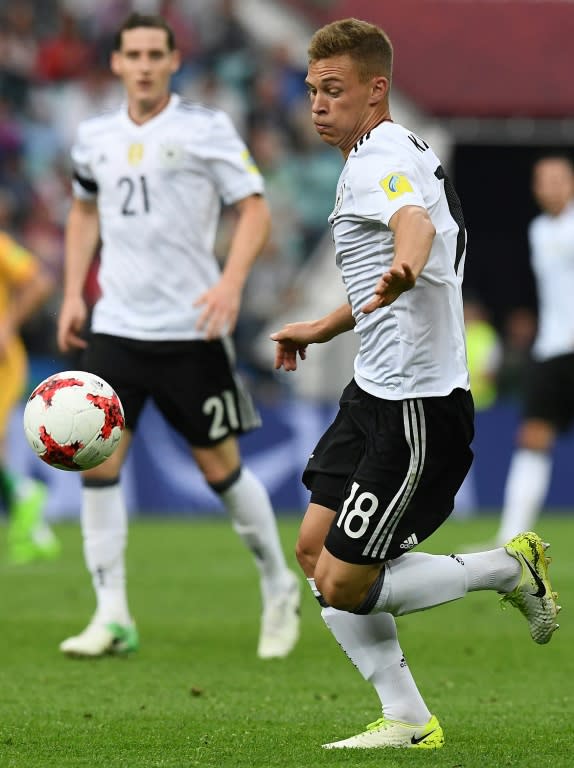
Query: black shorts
{"x": 549, "y": 391}
{"x": 193, "y": 383}
{"x": 391, "y": 470}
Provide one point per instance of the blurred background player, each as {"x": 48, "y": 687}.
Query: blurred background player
{"x": 548, "y": 407}
{"x": 484, "y": 355}
{"x": 23, "y": 288}
{"x": 149, "y": 181}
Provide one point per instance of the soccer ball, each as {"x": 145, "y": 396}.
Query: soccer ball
{"x": 73, "y": 420}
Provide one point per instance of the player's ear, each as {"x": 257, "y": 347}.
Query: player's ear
{"x": 379, "y": 89}
{"x": 115, "y": 63}
{"x": 175, "y": 60}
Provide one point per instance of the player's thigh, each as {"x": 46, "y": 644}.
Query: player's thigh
{"x": 311, "y": 539}
{"x": 201, "y": 395}
{"x": 417, "y": 453}
{"x": 126, "y": 366}
{"x": 337, "y": 454}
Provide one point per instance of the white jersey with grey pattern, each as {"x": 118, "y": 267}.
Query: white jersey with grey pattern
{"x": 159, "y": 189}
{"x": 416, "y": 346}
{"x": 552, "y": 257}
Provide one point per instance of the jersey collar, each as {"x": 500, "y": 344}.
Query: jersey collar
{"x": 157, "y": 119}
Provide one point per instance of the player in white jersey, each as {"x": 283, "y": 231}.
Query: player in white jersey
{"x": 384, "y": 475}
{"x": 549, "y": 386}
{"x": 148, "y": 181}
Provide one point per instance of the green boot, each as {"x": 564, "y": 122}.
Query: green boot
{"x": 29, "y": 537}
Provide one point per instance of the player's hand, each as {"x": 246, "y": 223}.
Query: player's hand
{"x": 221, "y": 305}
{"x": 390, "y": 286}
{"x": 292, "y": 342}
{"x": 71, "y": 322}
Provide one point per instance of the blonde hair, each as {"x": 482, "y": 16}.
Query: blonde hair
{"x": 368, "y": 45}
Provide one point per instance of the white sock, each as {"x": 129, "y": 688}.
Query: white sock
{"x": 494, "y": 569}
{"x": 526, "y": 488}
{"x": 372, "y": 645}
{"x": 252, "y": 517}
{"x": 104, "y": 527}
{"x": 416, "y": 581}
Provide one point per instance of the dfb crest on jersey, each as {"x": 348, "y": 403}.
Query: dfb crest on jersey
{"x": 135, "y": 153}
{"x": 171, "y": 155}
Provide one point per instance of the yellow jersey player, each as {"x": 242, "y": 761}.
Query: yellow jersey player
{"x": 23, "y": 288}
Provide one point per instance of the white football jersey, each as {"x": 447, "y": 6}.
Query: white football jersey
{"x": 416, "y": 346}
{"x": 159, "y": 188}
{"x": 552, "y": 257}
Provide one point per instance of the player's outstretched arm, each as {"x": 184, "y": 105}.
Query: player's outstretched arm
{"x": 414, "y": 234}
{"x": 294, "y": 338}
{"x": 82, "y": 240}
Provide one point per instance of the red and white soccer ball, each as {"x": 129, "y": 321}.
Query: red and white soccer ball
{"x": 73, "y": 420}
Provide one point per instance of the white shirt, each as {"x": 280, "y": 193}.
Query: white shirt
{"x": 416, "y": 346}
{"x": 159, "y": 188}
{"x": 551, "y": 241}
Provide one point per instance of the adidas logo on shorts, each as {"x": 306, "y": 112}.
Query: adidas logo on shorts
{"x": 410, "y": 542}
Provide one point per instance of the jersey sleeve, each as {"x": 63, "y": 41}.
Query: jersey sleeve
{"x": 532, "y": 231}
{"x": 382, "y": 183}
{"x": 230, "y": 163}
{"x": 84, "y": 186}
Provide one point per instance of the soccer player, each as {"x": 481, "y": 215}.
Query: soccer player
{"x": 384, "y": 475}
{"x": 149, "y": 179}
{"x": 548, "y": 408}
{"x": 23, "y": 289}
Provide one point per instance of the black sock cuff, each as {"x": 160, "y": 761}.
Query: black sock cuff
{"x": 372, "y": 595}
{"x": 89, "y": 482}
{"x": 225, "y": 485}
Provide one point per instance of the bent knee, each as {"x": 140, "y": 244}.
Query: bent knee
{"x": 307, "y": 554}
{"x": 338, "y": 594}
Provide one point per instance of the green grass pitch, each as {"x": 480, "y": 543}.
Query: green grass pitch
{"x": 196, "y": 695}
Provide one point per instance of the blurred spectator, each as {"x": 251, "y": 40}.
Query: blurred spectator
{"x": 65, "y": 55}
{"x": 18, "y": 50}
{"x": 209, "y": 89}
{"x": 13, "y": 178}
{"x": 518, "y": 335}
{"x": 179, "y": 20}
{"x": 11, "y": 133}
{"x": 227, "y": 46}
{"x": 268, "y": 285}
{"x": 289, "y": 75}
{"x": 223, "y": 33}
{"x": 484, "y": 355}
{"x": 67, "y": 104}
{"x": 265, "y": 105}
